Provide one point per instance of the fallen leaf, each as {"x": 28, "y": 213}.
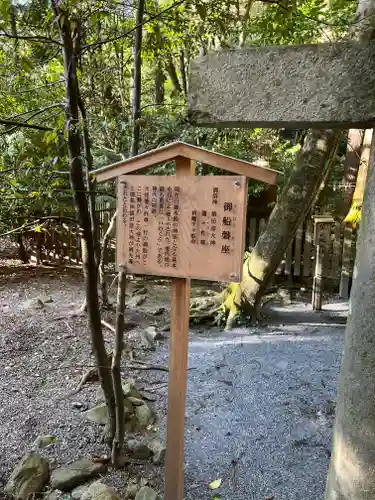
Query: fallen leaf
{"x": 215, "y": 484}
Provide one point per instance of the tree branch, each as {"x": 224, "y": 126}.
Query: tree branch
{"x": 145, "y": 21}
{"x": 24, "y": 124}
{"x": 15, "y": 123}
{"x": 38, "y": 39}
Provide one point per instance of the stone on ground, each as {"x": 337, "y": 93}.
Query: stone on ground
{"x": 145, "y": 416}
{"x": 129, "y": 389}
{"x": 139, "y": 449}
{"x": 158, "y": 451}
{"x": 78, "y": 492}
{"x": 149, "y": 336}
{"x": 56, "y": 495}
{"x": 146, "y": 493}
{"x": 136, "y": 300}
{"x": 43, "y": 441}
{"x": 100, "y": 491}
{"x": 67, "y": 478}
{"x": 131, "y": 490}
{"x": 33, "y": 304}
{"x": 98, "y": 414}
{"x": 30, "y": 476}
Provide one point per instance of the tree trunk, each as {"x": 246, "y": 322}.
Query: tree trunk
{"x": 137, "y": 65}
{"x": 351, "y": 473}
{"x": 159, "y": 84}
{"x": 80, "y": 201}
{"x": 351, "y": 165}
{"x": 354, "y": 214}
{"x": 116, "y": 370}
{"x": 24, "y": 257}
{"x": 183, "y": 72}
{"x": 104, "y": 258}
{"x": 173, "y": 76}
{"x": 291, "y": 209}
{"x": 90, "y": 185}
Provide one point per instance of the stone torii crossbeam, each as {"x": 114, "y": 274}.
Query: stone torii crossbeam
{"x": 301, "y": 86}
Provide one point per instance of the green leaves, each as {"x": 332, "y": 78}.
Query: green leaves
{"x": 214, "y": 485}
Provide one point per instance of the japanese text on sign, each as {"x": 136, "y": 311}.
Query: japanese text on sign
{"x": 190, "y": 228}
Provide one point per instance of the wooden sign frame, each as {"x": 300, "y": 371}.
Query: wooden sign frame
{"x": 185, "y": 157}
{"x": 192, "y": 229}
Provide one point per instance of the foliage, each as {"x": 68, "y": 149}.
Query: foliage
{"x": 32, "y": 86}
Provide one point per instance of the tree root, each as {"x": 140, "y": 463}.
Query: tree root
{"x": 220, "y": 309}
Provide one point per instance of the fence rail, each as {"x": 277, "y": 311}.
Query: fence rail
{"x": 60, "y": 243}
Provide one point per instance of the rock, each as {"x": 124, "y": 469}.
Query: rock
{"x": 132, "y": 424}
{"x": 78, "y": 492}
{"x": 150, "y": 336}
{"x": 139, "y": 449}
{"x": 66, "y": 478}
{"x": 30, "y": 476}
{"x": 97, "y": 415}
{"x": 129, "y": 389}
{"x": 165, "y": 328}
{"x": 135, "y": 401}
{"x": 79, "y": 406}
{"x": 146, "y": 493}
{"x": 145, "y": 416}
{"x": 157, "y": 311}
{"x": 56, "y": 495}
{"x": 43, "y": 441}
{"x": 158, "y": 451}
{"x": 139, "y": 289}
{"x": 136, "y": 301}
{"x": 45, "y": 299}
{"x": 131, "y": 490}
{"x": 100, "y": 491}
{"x": 33, "y": 304}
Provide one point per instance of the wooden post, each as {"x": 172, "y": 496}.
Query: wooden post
{"x": 322, "y": 240}
{"x": 346, "y": 266}
{"x": 317, "y": 282}
{"x": 178, "y": 360}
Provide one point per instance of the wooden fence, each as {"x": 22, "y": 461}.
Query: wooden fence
{"x": 60, "y": 243}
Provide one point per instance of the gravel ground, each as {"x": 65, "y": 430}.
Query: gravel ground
{"x": 260, "y": 407}
{"x": 260, "y": 401}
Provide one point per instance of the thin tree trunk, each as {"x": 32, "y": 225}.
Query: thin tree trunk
{"x": 116, "y": 370}
{"x": 183, "y": 72}
{"x": 24, "y": 257}
{"x": 159, "y": 84}
{"x": 90, "y": 184}
{"x": 171, "y": 70}
{"x": 137, "y": 66}
{"x": 245, "y": 20}
{"x": 13, "y": 25}
{"x": 351, "y": 165}
{"x": 104, "y": 259}
{"x": 80, "y": 201}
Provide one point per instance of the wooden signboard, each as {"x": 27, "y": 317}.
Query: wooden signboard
{"x": 190, "y": 228}
{"x": 182, "y": 227}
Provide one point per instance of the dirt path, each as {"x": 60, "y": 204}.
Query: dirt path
{"x": 260, "y": 402}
